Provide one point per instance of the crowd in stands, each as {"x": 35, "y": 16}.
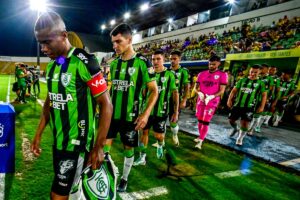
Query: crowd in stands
{"x": 283, "y": 34}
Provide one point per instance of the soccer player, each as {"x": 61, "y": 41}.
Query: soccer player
{"x": 21, "y": 76}
{"x": 75, "y": 84}
{"x": 269, "y": 84}
{"x": 243, "y": 99}
{"x": 276, "y": 80}
{"x": 167, "y": 90}
{"x": 284, "y": 93}
{"x": 130, "y": 73}
{"x": 183, "y": 85}
{"x": 210, "y": 86}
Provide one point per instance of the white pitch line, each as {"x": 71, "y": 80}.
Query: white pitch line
{"x": 2, "y": 186}
{"x": 230, "y": 174}
{"x": 8, "y": 90}
{"x": 290, "y": 162}
{"x": 144, "y": 194}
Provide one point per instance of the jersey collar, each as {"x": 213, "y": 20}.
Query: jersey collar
{"x": 71, "y": 52}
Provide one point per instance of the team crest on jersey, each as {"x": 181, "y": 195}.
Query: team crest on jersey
{"x": 163, "y": 79}
{"x": 217, "y": 76}
{"x": 177, "y": 74}
{"x": 151, "y": 70}
{"x": 131, "y": 71}
{"x": 255, "y": 84}
{"x": 65, "y": 79}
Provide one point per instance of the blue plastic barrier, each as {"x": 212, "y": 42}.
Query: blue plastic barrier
{"x": 7, "y": 138}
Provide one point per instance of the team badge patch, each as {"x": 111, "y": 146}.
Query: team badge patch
{"x": 131, "y": 71}
{"x": 163, "y": 79}
{"x": 151, "y": 70}
{"x": 217, "y": 76}
{"x": 65, "y": 79}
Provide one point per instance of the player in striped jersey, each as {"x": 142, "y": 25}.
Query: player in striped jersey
{"x": 75, "y": 85}
{"x": 273, "y": 73}
{"x": 284, "y": 93}
{"x": 183, "y": 85}
{"x": 269, "y": 85}
{"x": 167, "y": 90}
{"x": 130, "y": 73}
{"x": 243, "y": 99}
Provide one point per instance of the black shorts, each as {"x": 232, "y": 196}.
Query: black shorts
{"x": 171, "y": 109}
{"x": 129, "y": 136}
{"x": 245, "y": 114}
{"x": 281, "y": 105}
{"x": 67, "y": 169}
{"x": 157, "y": 123}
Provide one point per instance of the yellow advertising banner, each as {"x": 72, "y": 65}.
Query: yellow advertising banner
{"x": 265, "y": 54}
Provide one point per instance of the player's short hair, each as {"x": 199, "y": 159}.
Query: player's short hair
{"x": 215, "y": 58}
{"x": 287, "y": 71}
{"x": 264, "y": 65}
{"x": 256, "y": 66}
{"x": 123, "y": 29}
{"x": 176, "y": 52}
{"x": 273, "y": 66}
{"x": 159, "y": 51}
{"x": 50, "y": 20}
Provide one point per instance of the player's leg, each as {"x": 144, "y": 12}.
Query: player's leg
{"x": 199, "y": 115}
{"x": 159, "y": 128}
{"x": 130, "y": 138}
{"x": 173, "y": 125}
{"x": 280, "y": 111}
{"x": 246, "y": 117}
{"x": 208, "y": 113}
{"x": 142, "y": 148}
{"x": 234, "y": 115}
{"x": 114, "y": 128}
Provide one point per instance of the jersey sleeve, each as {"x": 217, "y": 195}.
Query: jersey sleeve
{"x": 263, "y": 87}
{"x": 147, "y": 70}
{"x": 185, "y": 77}
{"x": 271, "y": 81}
{"x": 89, "y": 71}
{"x": 238, "y": 84}
{"x": 172, "y": 82}
{"x": 198, "y": 78}
{"x": 224, "y": 78}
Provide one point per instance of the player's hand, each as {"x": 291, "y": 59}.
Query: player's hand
{"x": 260, "y": 109}
{"x": 174, "y": 117}
{"x": 182, "y": 104}
{"x": 96, "y": 157}
{"x": 35, "y": 146}
{"x": 208, "y": 98}
{"x": 201, "y": 96}
{"x": 141, "y": 121}
{"x": 229, "y": 104}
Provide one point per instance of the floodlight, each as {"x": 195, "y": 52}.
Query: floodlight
{"x": 127, "y": 15}
{"x": 144, "y": 7}
{"x": 112, "y": 22}
{"x": 103, "y": 27}
{"x": 39, "y": 5}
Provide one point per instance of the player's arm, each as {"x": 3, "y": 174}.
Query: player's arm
{"x": 231, "y": 97}
{"x": 106, "y": 109}
{"x": 142, "y": 119}
{"x": 185, "y": 95}
{"x": 44, "y": 120}
{"x": 175, "y": 96}
{"x": 263, "y": 102}
{"x": 221, "y": 91}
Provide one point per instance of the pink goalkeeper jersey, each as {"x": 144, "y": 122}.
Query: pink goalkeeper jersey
{"x": 210, "y": 84}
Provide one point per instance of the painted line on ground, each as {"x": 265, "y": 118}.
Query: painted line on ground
{"x": 144, "y": 194}
{"x": 41, "y": 102}
{"x": 2, "y": 186}
{"x": 230, "y": 174}
{"x": 27, "y": 154}
{"x": 290, "y": 162}
{"x": 8, "y": 90}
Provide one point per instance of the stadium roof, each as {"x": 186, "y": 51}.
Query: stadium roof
{"x": 86, "y": 16}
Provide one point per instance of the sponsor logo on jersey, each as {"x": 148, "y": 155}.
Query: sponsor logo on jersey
{"x": 55, "y": 77}
{"x": 1, "y": 130}
{"x": 98, "y": 184}
{"x": 122, "y": 85}
{"x": 151, "y": 70}
{"x": 83, "y": 58}
{"x": 160, "y": 88}
{"x": 65, "y": 79}
{"x": 131, "y": 71}
{"x": 81, "y": 125}
{"x": 246, "y": 90}
{"x": 57, "y": 100}
{"x": 217, "y": 77}
{"x": 66, "y": 165}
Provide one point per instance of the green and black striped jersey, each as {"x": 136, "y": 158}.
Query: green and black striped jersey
{"x": 248, "y": 93}
{"x": 269, "y": 83}
{"x": 128, "y": 77}
{"x": 276, "y": 80}
{"x": 181, "y": 79}
{"x": 286, "y": 88}
{"x": 166, "y": 85}
{"x": 72, "y": 83}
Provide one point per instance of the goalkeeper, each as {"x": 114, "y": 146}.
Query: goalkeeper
{"x": 210, "y": 87}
